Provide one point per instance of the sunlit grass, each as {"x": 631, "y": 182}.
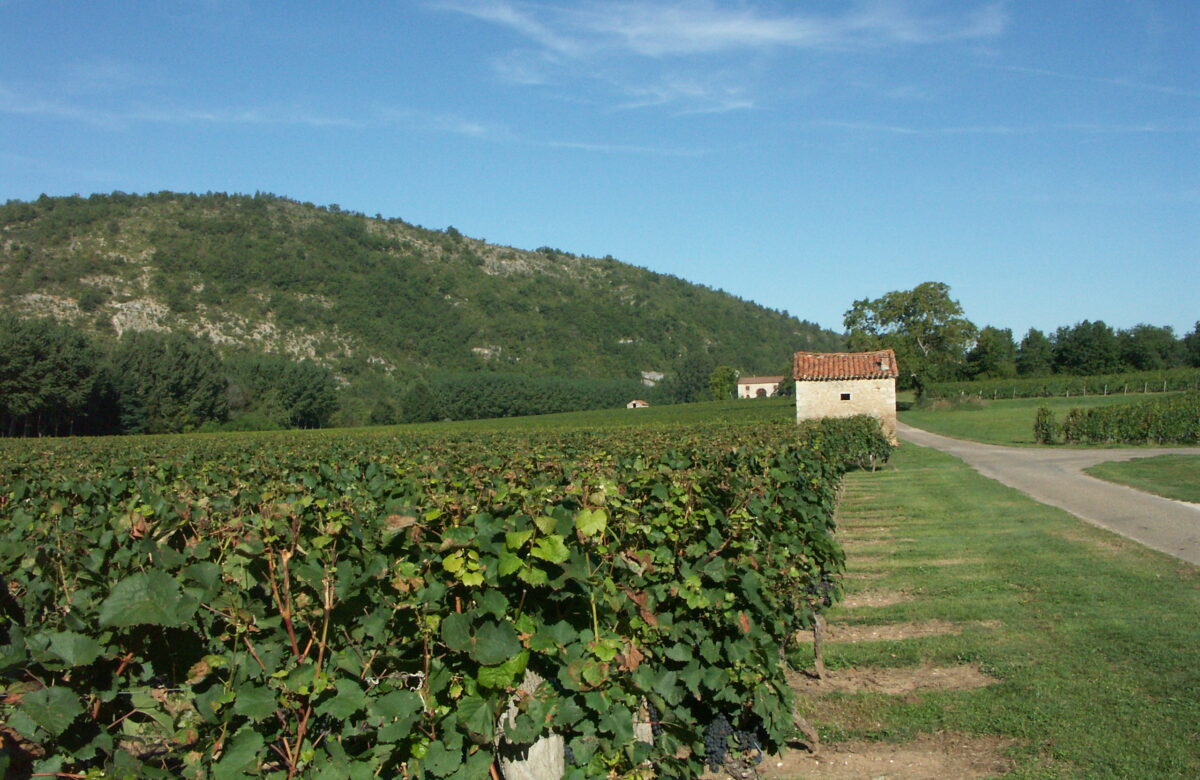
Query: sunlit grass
{"x": 1092, "y": 637}
{"x": 1171, "y": 476}
{"x": 1004, "y": 421}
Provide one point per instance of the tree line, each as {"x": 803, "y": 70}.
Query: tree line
{"x": 935, "y": 342}
{"x": 56, "y": 381}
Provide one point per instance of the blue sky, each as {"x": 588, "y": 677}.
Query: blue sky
{"x": 1041, "y": 158}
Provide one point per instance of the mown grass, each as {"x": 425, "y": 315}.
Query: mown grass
{"x": 1002, "y": 422}
{"x": 1171, "y": 476}
{"x": 1093, "y": 639}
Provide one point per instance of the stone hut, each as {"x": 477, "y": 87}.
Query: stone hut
{"x": 843, "y": 384}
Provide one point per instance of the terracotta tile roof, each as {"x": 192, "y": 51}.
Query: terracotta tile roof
{"x": 759, "y": 380}
{"x": 827, "y": 366}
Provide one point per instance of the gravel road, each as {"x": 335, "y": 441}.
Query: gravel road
{"x": 1055, "y": 477}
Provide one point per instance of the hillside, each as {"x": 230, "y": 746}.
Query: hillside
{"x": 354, "y": 292}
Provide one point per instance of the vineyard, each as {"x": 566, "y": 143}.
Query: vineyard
{"x": 1066, "y": 385}
{"x": 417, "y": 605}
{"x": 1175, "y": 420}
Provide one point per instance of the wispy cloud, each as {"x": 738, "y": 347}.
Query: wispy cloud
{"x": 519, "y": 17}
{"x": 620, "y": 43}
{"x": 696, "y": 96}
{"x": 16, "y": 102}
{"x": 687, "y": 27}
{"x": 123, "y": 117}
{"x": 1123, "y": 83}
{"x": 445, "y": 123}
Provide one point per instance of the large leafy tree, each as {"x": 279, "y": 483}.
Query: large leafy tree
{"x": 722, "y": 383}
{"x": 1087, "y": 348}
{"x": 1149, "y": 348}
{"x": 1035, "y": 355}
{"x": 1191, "y": 347}
{"x": 994, "y": 354}
{"x": 924, "y": 326}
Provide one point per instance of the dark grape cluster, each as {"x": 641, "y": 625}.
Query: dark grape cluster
{"x": 822, "y": 589}
{"x": 720, "y": 736}
{"x": 655, "y": 719}
{"x": 749, "y": 743}
{"x": 716, "y": 742}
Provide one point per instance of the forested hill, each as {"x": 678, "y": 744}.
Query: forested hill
{"x": 356, "y": 293}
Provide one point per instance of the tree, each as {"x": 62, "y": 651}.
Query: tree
{"x": 167, "y": 383}
{"x": 1035, "y": 355}
{"x": 48, "y": 373}
{"x": 994, "y": 355}
{"x": 787, "y": 387}
{"x": 1087, "y": 349}
{"x": 1191, "y": 347}
{"x": 419, "y": 404}
{"x": 1147, "y": 348}
{"x": 689, "y": 382}
{"x": 924, "y": 326}
{"x": 722, "y": 383}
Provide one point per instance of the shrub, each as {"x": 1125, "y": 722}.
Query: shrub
{"x": 1045, "y": 427}
{"x": 1160, "y": 421}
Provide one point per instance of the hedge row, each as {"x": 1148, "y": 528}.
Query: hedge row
{"x": 337, "y": 605}
{"x": 1160, "y": 421}
{"x": 1060, "y": 385}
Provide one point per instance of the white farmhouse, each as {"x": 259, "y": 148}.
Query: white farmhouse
{"x": 843, "y": 384}
{"x": 758, "y": 386}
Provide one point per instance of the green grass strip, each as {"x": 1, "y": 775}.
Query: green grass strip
{"x": 1094, "y": 639}
{"x": 1170, "y": 476}
{"x": 1003, "y": 422}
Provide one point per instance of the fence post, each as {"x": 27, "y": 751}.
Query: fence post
{"x": 1106, "y": 388}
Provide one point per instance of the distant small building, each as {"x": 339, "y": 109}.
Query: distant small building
{"x": 843, "y": 384}
{"x": 637, "y": 404}
{"x": 758, "y": 386}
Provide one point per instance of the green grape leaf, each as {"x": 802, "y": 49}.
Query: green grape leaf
{"x": 75, "y": 649}
{"x": 54, "y": 709}
{"x": 495, "y": 643}
{"x": 150, "y": 598}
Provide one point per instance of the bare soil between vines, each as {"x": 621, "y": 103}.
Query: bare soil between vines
{"x": 875, "y": 598}
{"x": 895, "y": 681}
{"x": 888, "y": 632}
{"x": 941, "y": 756}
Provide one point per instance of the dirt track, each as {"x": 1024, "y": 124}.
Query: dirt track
{"x": 1055, "y": 477}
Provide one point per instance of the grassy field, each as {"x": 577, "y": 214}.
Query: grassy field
{"x": 1002, "y": 422}
{"x": 1172, "y": 476}
{"x": 1090, "y": 639}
